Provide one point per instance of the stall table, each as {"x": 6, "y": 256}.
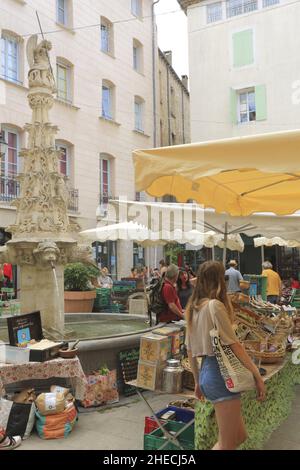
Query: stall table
{"x": 261, "y": 418}
{"x": 66, "y": 368}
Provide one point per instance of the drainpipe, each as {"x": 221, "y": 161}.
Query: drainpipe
{"x": 168, "y": 105}
{"x": 154, "y": 51}
{"x": 183, "y": 116}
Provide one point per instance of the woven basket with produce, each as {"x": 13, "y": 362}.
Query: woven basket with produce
{"x": 268, "y": 352}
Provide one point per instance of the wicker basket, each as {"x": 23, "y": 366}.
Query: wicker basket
{"x": 253, "y": 349}
{"x": 188, "y": 377}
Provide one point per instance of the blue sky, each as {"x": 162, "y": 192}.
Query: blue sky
{"x": 172, "y": 33}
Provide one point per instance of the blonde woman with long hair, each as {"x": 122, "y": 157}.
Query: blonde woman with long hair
{"x": 209, "y": 298}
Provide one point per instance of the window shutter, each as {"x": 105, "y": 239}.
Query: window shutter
{"x": 243, "y": 53}
{"x": 233, "y": 106}
{"x": 261, "y": 102}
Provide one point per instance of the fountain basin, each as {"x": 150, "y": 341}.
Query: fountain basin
{"x": 102, "y": 336}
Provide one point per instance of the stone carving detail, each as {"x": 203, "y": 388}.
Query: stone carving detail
{"x": 46, "y": 252}
{"x": 44, "y": 197}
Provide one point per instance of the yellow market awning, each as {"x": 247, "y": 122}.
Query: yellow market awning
{"x": 239, "y": 176}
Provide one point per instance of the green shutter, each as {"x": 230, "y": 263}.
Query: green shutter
{"x": 261, "y": 102}
{"x": 233, "y": 106}
{"x": 243, "y": 53}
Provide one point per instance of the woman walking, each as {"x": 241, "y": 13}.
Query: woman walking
{"x": 209, "y": 299}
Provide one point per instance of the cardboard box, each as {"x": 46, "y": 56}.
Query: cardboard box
{"x": 24, "y": 328}
{"x": 150, "y": 375}
{"x": 154, "y": 348}
{"x": 174, "y": 333}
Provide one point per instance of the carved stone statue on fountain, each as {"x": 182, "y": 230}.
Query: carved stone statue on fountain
{"x": 42, "y": 235}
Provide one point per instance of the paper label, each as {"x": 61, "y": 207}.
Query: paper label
{"x": 50, "y": 401}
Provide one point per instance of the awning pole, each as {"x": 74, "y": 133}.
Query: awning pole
{"x": 213, "y": 253}
{"x": 225, "y": 243}
{"x": 262, "y": 248}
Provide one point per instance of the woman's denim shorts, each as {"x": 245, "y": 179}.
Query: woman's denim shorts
{"x": 212, "y": 383}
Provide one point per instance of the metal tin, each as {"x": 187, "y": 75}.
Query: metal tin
{"x": 172, "y": 377}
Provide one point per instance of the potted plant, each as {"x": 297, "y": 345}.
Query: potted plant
{"x": 80, "y": 293}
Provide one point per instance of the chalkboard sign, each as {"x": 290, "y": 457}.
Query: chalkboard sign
{"x": 129, "y": 365}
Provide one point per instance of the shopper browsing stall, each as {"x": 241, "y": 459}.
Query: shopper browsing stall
{"x": 234, "y": 277}
{"x": 173, "y": 310}
{"x": 274, "y": 284}
{"x": 210, "y": 301}
{"x": 184, "y": 288}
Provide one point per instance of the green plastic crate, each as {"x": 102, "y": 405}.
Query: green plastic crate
{"x": 156, "y": 439}
{"x": 261, "y": 284}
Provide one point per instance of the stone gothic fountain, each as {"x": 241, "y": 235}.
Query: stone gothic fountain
{"x": 43, "y": 239}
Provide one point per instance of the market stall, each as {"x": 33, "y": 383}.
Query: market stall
{"x": 238, "y": 177}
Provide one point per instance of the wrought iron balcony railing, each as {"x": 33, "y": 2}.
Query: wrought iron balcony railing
{"x": 10, "y": 190}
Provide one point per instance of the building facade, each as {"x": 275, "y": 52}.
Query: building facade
{"x": 244, "y": 67}
{"x": 174, "y": 100}
{"x": 244, "y": 80}
{"x": 102, "y": 60}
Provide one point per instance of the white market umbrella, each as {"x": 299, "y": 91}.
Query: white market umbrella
{"x": 263, "y": 241}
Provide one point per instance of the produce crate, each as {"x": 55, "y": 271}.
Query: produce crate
{"x": 258, "y": 285}
{"x": 295, "y": 298}
{"x": 182, "y": 415}
{"x": 103, "y": 299}
{"x": 156, "y": 439}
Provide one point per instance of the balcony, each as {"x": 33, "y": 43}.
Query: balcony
{"x": 10, "y": 190}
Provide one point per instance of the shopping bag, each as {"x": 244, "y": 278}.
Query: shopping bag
{"x": 101, "y": 389}
{"x": 56, "y": 426}
{"x": 17, "y": 418}
{"x": 236, "y": 376}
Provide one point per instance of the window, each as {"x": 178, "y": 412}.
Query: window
{"x": 9, "y": 163}
{"x": 138, "y": 113}
{"x": 107, "y": 100}
{"x": 246, "y": 104}
{"x": 136, "y": 7}
{"x": 137, "y": 56}
{"x": 238, "y": 7}
{"x": 243, "y": 50}
{"x": 269, "y": 3}
{"x": 106, "y": 36}
{"x": 63, "y": 159}
{"x": 61, "y": 11}
{"x": 214, "y": 12}
{"x": 105, "y": 179}
{"x": 64, "y": 82}
{"x": 10, "y": 58}
{"x": 249, "y": 104}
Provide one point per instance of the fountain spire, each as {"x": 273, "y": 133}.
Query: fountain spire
{"x": 43, "y": 238}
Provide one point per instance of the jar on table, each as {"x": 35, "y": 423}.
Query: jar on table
{"x": 172, "y": 377}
